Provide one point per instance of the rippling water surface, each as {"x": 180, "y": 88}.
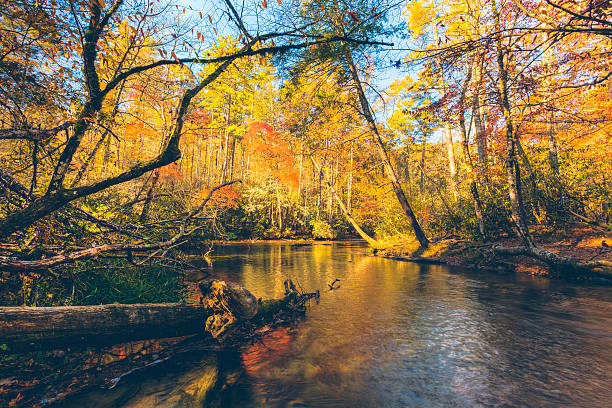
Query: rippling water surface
{"x": 395, "y": 334}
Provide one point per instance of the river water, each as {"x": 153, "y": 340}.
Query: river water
{"x": 395, "y": 334}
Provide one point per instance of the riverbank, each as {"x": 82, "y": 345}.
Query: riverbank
{"x": 580, "y": 243}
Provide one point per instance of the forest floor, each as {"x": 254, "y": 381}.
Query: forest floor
{"x": 585, "y": 244}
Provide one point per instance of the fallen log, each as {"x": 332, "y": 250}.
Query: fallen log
{"x": 48, "y": 327}
{"x": 563, "y": 264}
{"x": 224, "y": 309}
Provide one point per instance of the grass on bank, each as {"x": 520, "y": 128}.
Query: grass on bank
{"x": 92, "y": 283}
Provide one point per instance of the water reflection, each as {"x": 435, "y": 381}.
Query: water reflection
{"x": 398, "y": 335}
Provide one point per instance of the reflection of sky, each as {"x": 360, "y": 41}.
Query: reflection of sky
{"x": 399, "y": 334}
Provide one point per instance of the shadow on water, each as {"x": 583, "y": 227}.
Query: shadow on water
{"x": 395, "y": 335}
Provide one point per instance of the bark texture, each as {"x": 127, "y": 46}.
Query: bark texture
{"x": 39, "y": 326}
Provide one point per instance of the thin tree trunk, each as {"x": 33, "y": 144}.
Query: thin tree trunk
{"x": 479, "y": 126}
{"x": 320, "y": 178}
{"x": 279, "y": 208}
{"x": 548, "y": 59}
{"x": 231, "y": 157}
{"x": 350, "y": 181}
{"x": 384, "y": 156}
{"x": 301, "y": 165}
{"x": 89, "y": 160}
{"x": 226, "y": 143}
{"x": 34, "y": 167}
{"x": 423, "y": 147}
{"x": 471, "y": 173}
{"x": 106, "y": 157}
{"x": 330, "y": 198}
{"x": 512, "y": 164}
{"x": 448, "y": 137}
{"x": 150, "y": 194}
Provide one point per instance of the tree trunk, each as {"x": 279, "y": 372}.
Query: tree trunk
{"x": 423, "y": 148}
{"x": 301, "y": 165}
{"x": 147, "y": 204}
{"x": 231, "y": 157}
{"x": 470, "y": 163}
{"x": 452, "y": 167}
{"x": 512, "y": 164}
{"x": 384, "y": 156}
{"x": 226, "y": 144}
{"x": 36, "y": 327}
{"x": 350, "y": 181}
{"x": 106, "y": 157}
{"x": 89, "y": 160}
{"x": 448, "y": 137}
{"x": 548, "y": 59}
{"x": 479, "y": 126}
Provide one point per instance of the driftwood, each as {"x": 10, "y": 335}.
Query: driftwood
{"x": 224, "y": 310}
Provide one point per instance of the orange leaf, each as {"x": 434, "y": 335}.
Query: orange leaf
{"x": 174, "y": 56}
{"x": 209, "y": 19}
{"x": 353, "y": 16}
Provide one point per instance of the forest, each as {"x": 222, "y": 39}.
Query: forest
{"x": 132, "y": 129}
{"x": 141, "y": 139}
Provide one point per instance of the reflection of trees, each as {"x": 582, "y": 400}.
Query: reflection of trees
{"x": 399, "y": 333}
{"x": 193, "y": 379}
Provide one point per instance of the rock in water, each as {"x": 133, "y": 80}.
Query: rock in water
{"x": 226, "y": 303}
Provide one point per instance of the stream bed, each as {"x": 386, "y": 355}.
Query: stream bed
{"x": 394, "y": 334}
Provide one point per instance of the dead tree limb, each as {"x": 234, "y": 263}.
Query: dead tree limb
{"x": 15, "y": 265}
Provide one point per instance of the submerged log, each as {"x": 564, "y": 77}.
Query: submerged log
{"x": 224, "y": 307}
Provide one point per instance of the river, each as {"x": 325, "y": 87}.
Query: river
{"x": 394, "y": 334}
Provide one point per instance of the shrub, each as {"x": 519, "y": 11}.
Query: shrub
{"x": 322, "y": 230}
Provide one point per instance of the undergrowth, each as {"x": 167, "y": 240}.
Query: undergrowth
{"x": 92, "y": 283}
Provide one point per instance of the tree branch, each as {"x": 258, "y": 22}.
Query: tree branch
{"x": 34, "y": 135}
